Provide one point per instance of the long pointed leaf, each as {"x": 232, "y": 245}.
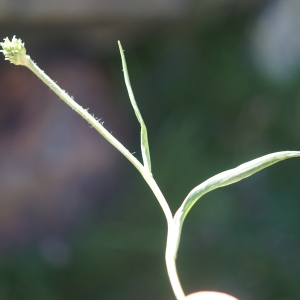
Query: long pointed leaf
{"x": 222, "y": 179}
{"x": 234, "y": 175}
{"x": 144, "y": 136}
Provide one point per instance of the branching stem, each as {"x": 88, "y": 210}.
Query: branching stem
{"x": 15, "y": 52}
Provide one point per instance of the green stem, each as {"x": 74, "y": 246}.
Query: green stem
{"x": 81, "y": 111}
{"x": 144, "y": 170}
{"x": 170, "y": 258}
{"x": 170, "y": 255}
{"x": 174, "y": 224}
{"x": 108, "y": 136}
{"x": 15, "y": 52}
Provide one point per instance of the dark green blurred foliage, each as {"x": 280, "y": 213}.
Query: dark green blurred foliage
{"x": 206, "y": 110}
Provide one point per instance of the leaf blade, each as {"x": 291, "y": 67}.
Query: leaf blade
{"x": 144, "y": 136}
{"x": 222, "y": 179}
{"x": 234, "y": 175}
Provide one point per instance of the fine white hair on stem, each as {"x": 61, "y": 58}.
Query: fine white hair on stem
{"x": 15, "y": 52}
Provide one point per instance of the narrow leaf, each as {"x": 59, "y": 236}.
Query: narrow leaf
{"x": 225, "y": 178}
{"x": 144, "y": 136}
{"x": 234, "y": 175}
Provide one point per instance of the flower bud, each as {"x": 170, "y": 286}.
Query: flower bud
{"x": 14, "y": 50}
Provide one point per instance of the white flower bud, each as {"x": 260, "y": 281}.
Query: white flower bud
{"x": 14, "y": 51}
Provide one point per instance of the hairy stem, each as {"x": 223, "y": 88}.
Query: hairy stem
{"x": 83, "y": 112}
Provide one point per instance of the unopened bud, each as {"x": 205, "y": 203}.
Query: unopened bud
{"x": 14, "y": 51}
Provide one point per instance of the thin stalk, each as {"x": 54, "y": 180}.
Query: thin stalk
{"x": 171, "y": 247}
{"x": 170, "y": 257}
{"x": 108, "y": 136}
{"x": 159, "y": 196}
{"x": 82, "y": 112}
{"x": 171, "y": 267}
{"x": 15, "y": 52}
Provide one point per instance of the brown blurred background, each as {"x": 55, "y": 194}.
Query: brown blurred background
{"x": 217, "y": 82}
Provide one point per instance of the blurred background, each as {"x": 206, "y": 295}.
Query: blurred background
{"x": 218, "y": 84}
